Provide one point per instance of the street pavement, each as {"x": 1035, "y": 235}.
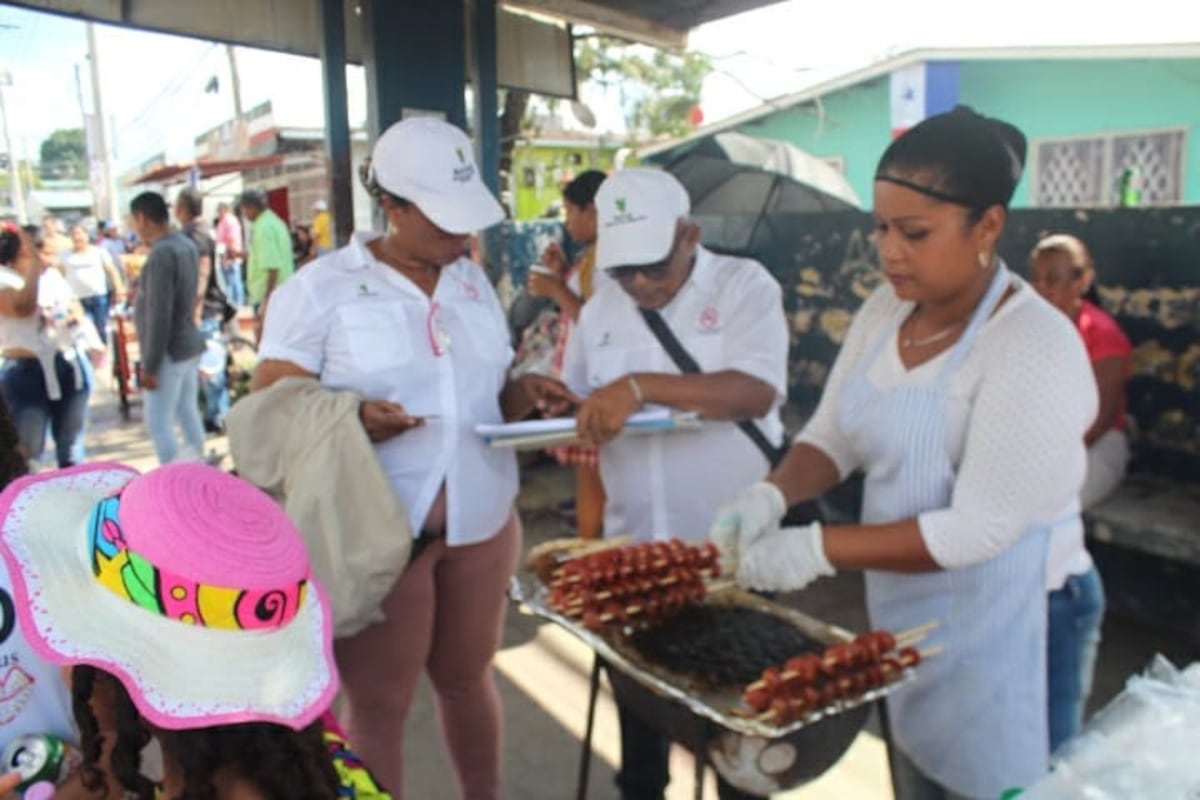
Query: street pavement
{"x": 543, "y": 672}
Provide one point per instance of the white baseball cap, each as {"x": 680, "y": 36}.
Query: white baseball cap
{"x": 320, "y": 205}
{"x": 430, "y": 163}
{"x": 637, "y": 211}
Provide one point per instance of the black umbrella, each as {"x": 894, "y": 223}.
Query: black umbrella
{"x": 745, "y": 189}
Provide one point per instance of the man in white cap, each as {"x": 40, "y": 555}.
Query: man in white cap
{"x": 724, "y": 319}
{"x": 322, "y": 227}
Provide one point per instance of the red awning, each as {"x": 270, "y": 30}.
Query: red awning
{"x": 173, "y": 173}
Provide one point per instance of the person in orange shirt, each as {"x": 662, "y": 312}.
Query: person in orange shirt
{"x": 570, "y": 286}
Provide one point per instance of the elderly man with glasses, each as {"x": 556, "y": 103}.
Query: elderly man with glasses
{"x": 683, "y": 328}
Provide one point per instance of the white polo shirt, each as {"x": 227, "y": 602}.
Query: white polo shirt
{"x": 364, "y": 327}
{"x": 729, "y": 316}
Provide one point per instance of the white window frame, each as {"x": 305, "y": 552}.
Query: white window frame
{"x": 1107, "y": 177}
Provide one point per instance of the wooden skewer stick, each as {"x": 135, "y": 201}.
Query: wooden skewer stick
{"x": 929, "y": 652}
{"x": 910, "y": 641}
{"x": 920, "y": 630}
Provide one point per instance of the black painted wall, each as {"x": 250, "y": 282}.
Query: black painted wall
{"x": 1148, "y": 264}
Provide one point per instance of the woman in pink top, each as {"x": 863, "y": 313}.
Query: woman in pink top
{"x": 1063, "y": 273}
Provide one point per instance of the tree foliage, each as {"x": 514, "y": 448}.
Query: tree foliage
{"x": 64, "y": 151}
{"x": 659, "y": 89}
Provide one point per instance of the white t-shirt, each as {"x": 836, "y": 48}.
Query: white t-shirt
{"x": 1017, "y": 410}
{"x": 34, "y": 698}
{"x": 85, "y": 272}
{"x": 363, "y": 327}
{"x": 729, "y": 316}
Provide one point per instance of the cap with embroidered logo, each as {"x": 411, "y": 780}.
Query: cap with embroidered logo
{"x": 637, "y": 211}
{"x": 430, "y": 163}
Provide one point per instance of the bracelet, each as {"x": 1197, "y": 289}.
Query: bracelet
{"x": 637, "y": 391}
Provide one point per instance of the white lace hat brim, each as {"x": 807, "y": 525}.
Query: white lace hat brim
{"x": 179, "y": 676}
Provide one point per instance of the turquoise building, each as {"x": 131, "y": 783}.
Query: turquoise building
{"x": 1095, "y": 117}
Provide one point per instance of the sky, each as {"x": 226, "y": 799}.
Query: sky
{"x": 153, "y": 85}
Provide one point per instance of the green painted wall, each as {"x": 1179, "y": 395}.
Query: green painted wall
{"x": 539, "y": 171}
{"x": 1046, "y": 99}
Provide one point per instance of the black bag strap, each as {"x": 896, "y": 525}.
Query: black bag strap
{"x": 687, "y": 365}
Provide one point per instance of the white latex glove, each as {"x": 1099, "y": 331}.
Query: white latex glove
{"x": 741, "y": 522}
{"x": 784, "y": 560}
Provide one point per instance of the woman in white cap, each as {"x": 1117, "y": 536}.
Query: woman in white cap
{"x": 412, "y": 325}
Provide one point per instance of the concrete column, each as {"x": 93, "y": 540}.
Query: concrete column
{"x": 415, "y": 58}
{"x": 485, "y": 83}
{"x": 337, "y": 117}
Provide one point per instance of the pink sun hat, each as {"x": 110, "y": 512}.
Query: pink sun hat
{"x": 190, "y": 586}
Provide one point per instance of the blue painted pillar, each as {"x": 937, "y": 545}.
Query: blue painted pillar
{"x": 337, "y": 117}
{"x": 414, "y": 52}
{"x": 484, "y": 77}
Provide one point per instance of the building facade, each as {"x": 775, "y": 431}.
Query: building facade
{"x": 1097, "y": 118}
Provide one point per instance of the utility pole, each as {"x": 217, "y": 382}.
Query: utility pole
{"x": 235, "y": 84}
{"x": 101, "y": 130}
{"x": 14, "y": 172}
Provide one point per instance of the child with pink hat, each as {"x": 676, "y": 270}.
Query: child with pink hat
{"x": 184, "y": 600}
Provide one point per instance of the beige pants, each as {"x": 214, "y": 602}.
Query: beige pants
{"x": 444, "y": 616}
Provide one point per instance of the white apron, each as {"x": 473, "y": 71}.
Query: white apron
{"x": 975, "y": 720}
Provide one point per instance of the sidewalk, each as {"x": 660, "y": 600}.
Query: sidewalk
{"x": 543, "y": 672}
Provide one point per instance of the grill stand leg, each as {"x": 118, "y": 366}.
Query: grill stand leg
{"x": 885, "y": 728}
{"x": 585, "y": 757}
{"x": 700, "y": 754}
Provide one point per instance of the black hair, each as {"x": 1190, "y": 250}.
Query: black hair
{"x": 960, "y": 157}
{"x": 581, "y": 192}
{"x": 13, "y": 462}
{"x": 377, "y": 192}
{"x": 152, "y": 206}
{"x": 192, "y": 201}
{"x": 281, "y": 763}
{"x": 253, "y": 198}
{"x": 36, "y": 235}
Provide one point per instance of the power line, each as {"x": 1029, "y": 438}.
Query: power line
{"x": 176, "y": 84}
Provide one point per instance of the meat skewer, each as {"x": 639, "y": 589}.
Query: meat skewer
{"x": 638, "y": 559}
{"x": 787, "y": 703}
{"x": 866, "y": 649}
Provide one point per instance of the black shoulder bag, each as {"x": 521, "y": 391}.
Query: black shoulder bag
{"x": 797, "y": 515}
{"x": 688, "y": 366}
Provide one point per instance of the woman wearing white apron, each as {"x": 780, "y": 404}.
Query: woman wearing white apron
{"x": 964, "y": 399}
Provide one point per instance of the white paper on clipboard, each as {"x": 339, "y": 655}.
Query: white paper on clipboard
{"x": 539, "y": 433}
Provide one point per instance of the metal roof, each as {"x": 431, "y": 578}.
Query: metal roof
{"x": 662, "y": 23}
{"x": 291, "y": 26}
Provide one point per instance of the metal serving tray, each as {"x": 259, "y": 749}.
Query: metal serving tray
{"x": 716, "y": 706}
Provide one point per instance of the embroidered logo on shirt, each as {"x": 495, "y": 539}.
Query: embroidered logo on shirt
{"x": 471, "y": 290}
{"x": 710, "y": 319}
{"x": 605, "y": 340}
{"x": 364, "y": 290}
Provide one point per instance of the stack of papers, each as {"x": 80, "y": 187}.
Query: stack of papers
{"x": 539, "y": 433}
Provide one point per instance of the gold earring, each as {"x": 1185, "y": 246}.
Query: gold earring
{"x": 983, "y": 260}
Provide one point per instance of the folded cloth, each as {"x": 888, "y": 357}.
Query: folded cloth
{"x": 305, "y": 445}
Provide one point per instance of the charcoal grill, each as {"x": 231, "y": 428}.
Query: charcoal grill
{"x": 752, "y": 755}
